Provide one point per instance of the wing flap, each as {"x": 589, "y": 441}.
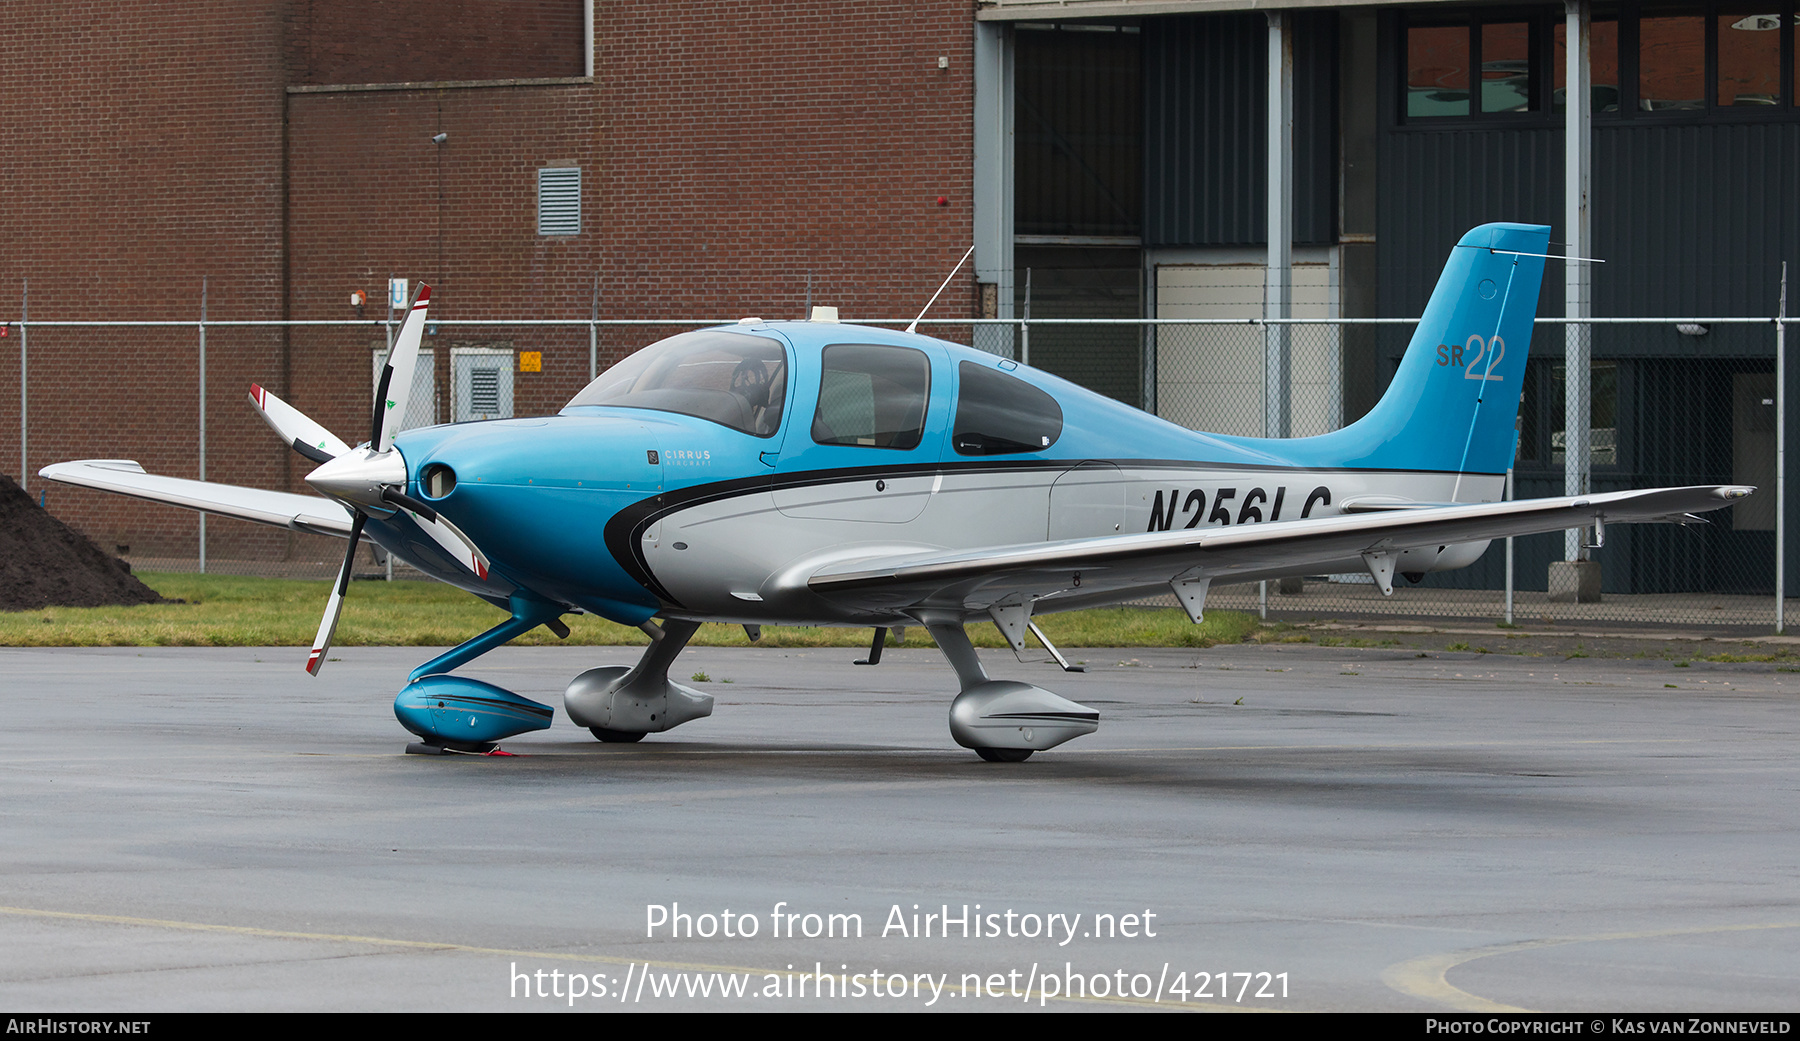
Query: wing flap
{"x": 308, "y": 513}
{"x": 1087, "y": 567}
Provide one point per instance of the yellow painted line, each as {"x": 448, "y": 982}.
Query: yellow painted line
{"x": 1030, "y": 997}
{"x": 1426, "y": 977}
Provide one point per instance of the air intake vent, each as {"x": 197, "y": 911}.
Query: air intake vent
{"x": 559, "y": 201}
{"x": 484, "y": 392}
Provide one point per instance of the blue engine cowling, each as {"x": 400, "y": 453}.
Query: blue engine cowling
{"x": 465, "y": 713}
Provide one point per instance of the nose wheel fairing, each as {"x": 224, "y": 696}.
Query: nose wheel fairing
{"x": 470, "y": 715}
{"x": 466, "y": 715}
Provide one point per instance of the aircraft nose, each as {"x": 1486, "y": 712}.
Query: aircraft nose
{"x": 537, "y": 495}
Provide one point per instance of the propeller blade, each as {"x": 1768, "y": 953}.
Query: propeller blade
{"x": 397, "y": 377}
{"x": 335, "y": 606}
{"x": 459, "y": 546}
{"x": 307, "y": 437}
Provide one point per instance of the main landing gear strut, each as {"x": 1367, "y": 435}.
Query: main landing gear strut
{"x": 624, "y": 704}
{"x": 1004, "y": 721}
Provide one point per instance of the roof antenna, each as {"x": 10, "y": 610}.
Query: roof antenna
{"x": 940, "y": 292}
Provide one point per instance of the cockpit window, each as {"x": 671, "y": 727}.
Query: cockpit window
{"x": 997, "y": 414}
{"x": 727, "y": 377}
{"x": 872, "y": 396}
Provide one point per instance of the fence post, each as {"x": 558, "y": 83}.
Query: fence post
{"x": 1278, "y": 292}
{"x": 1025, "y": 324}
{"x": 1509, "y": 548}
{"x": 594, "y": 330}
{"x": 388, "y": 563}
{"x": 1781, "y": 454}
{"x": 24, "y": 316}
{"x": 203, "y": 416}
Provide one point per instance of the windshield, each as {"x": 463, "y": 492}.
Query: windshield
{"x": 730, "y": 378}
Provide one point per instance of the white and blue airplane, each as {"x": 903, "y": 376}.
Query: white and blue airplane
{"x": 815, "y": 473}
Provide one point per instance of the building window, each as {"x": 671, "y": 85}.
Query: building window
{"x": 559, "y": 201}
{"x": 1470, "y": 68}
{"x": 1647, "y": 61}
{"x": 1671, "y": 62}
{"x": 1437, "y": 70}
{"x": 1749, "y": 65}
{"x": 1506, "y": 66}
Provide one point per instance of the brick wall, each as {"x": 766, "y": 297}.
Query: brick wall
{"x": 724, "y": 158}
{"x": 396, "y": 41}
{"x": 142, "y": 152}
{"x": 726, "y": 152}
{"x": 763, "y": 141}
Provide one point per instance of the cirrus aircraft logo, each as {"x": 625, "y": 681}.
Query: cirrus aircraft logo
{"x": 686, "y": 457}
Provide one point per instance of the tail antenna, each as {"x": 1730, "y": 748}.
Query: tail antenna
{"x": 940, "y": 292}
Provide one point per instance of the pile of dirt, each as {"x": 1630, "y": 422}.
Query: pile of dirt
{"x": 45, "y": 563}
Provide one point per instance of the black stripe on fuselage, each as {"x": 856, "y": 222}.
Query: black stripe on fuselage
{"x": 625, "y": 531}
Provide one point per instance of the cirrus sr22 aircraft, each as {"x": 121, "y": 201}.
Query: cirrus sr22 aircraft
{"x": 812, "y": 473}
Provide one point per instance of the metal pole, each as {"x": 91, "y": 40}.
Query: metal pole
{"x": 1278, "y": 291}
{"x": 388, "y": 564}
{"x": 594, "y": 331}
{"x": 1025, "y": 324}
{"x": 1147, "y": 307}
{"x": 24, "y": 316}
{"x": 1577, "y": 300}
{"x": 1509, "y": 553}
{"x": 1781, "y": 454}
{"x": 203, "y": 415}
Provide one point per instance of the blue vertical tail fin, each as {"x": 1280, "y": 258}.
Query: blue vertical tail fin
{"x": 1455, "y": 398}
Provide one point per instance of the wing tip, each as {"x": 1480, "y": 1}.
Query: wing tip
{"x": 256, "y": 394}
{"x": 424, "y": 296}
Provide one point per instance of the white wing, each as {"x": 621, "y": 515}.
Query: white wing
{"x": 308, "y": 513}
{"x": 1083, "y": 571}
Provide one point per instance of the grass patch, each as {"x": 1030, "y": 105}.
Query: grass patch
{"x": 238, "y": 611}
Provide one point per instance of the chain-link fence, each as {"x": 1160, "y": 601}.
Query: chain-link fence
{"x": 1670, "y": 401}
{"x": 1667, "y": 402}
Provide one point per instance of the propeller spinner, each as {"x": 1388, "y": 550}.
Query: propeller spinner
{"x": 370, "y": 479}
